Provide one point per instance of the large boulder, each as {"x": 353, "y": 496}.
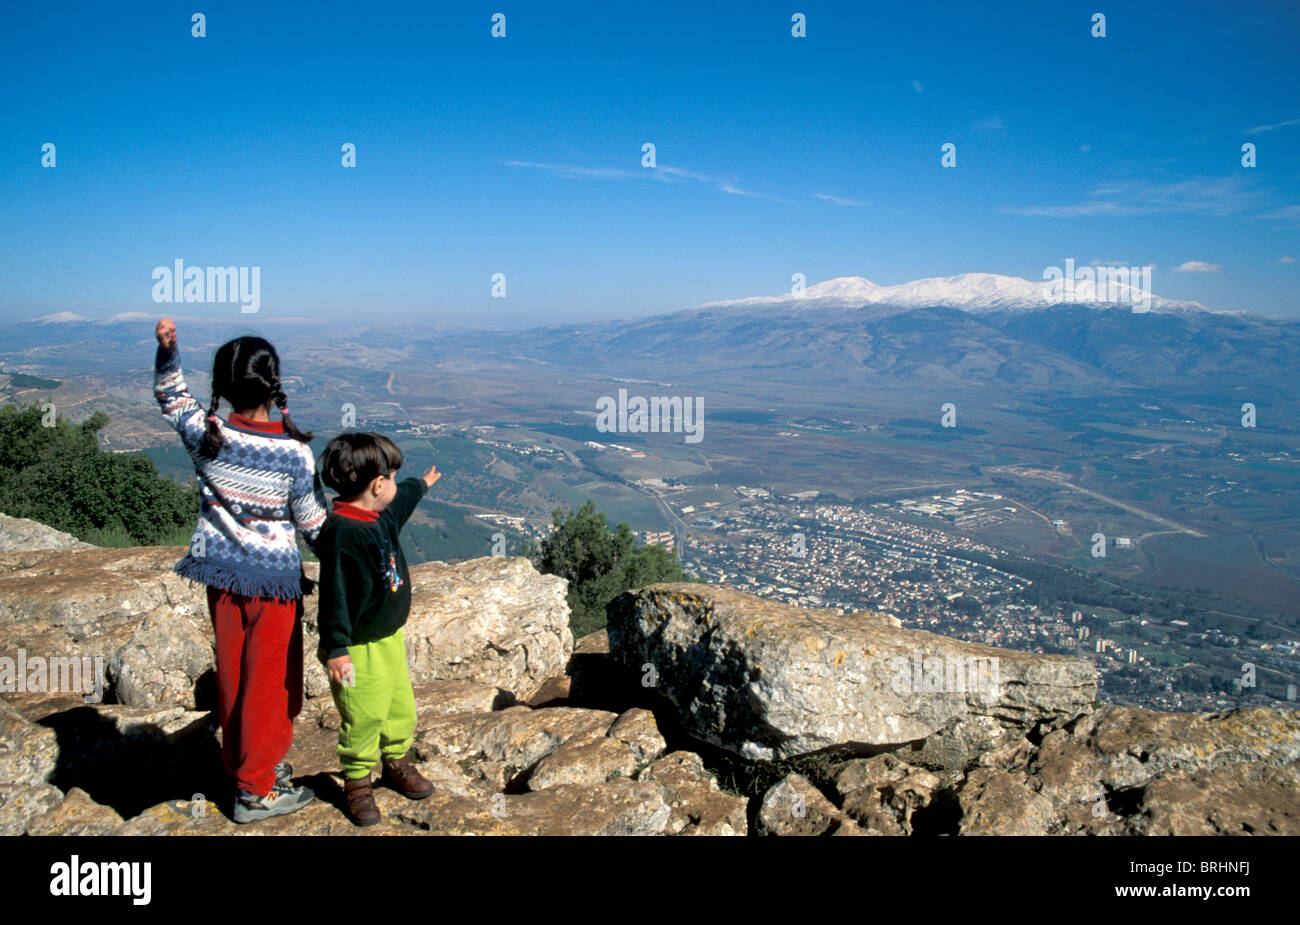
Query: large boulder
{"x": 164, "y": 661}
{"x": 494, "y": 621}
{"x": 120, "y": 612}
{"x": 767, "y": 680}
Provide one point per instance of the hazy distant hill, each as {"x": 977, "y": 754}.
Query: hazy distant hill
{"x": 989, "y": 333}
{"x": 975, "y": 329}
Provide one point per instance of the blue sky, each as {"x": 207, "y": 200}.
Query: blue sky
{"x": 522, "y": 155}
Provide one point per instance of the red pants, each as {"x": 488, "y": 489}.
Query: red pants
{"x": 259, "y": 683}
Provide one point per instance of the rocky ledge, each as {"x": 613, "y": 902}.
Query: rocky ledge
{"x": 701, "y": 712}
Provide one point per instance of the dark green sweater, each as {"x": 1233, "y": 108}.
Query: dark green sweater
{"x": 365, "y": 587}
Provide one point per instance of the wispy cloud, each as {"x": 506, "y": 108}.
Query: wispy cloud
{"x": 575, "y": 172}
{"x": 992, "y": 123}
{"x": 1268, "y": 128}
{"x": 1287, "y": 260}
{"x": 1118, "y": 263}
{"x": 1198, "y": 266}
{"x": 916, "y": 85}
{"x": 1284, "y": 214}
{"x": 662, "y": 173}
{"x": 839, "y": 200}
{"x": 1199, "y": 196}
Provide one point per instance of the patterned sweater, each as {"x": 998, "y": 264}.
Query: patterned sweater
{"x": 252, "y": 496}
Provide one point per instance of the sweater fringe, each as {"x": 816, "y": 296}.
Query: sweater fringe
{"x": 240, "y": 581}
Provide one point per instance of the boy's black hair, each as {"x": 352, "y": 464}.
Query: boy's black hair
{"x": 246, "y": 373}
{"x": 352, "y": 461}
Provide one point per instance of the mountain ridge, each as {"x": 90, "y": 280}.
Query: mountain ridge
{"x": 974, "y": 292}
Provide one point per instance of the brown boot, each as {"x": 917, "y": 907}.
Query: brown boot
{"x": 361, "y": 801}
{"x": 402, "y": 776}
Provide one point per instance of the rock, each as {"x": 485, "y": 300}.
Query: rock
{"x": 795, "y": 807}
{"x": 585, "y": 763}
{"x": 19, "y": 805}
{"x": 494, "y": 620}
{"x": 442, "y": 697}
{"x": 203, "y": 817}
{"x": 163, "y": 662}
{"x": 881, "y": 793}
{"x": 89, "y": 603}
{"x": 20, "y": 533}
{"x": 1127, "y": 771}
{"x": 76, "y": 814}
{"x": 638, "y": 730}
{"x": 763, "y": 680}
{"x": 767, "y": 680}
{"x": 447, "y": 776}
{"x": 552, "y": 693}
{"x": 500, "y": 747}
{"x": 28, "y": 759}
{"x": 620, "y": 806}
{"x": 997, "y": 802}
{"x": 962, "y": 741}
{"x": 1133, "y": 745}
{"x": 1067, "y": 772}
{"x": 29, "y": 753}
{"x": 698, "y": 806}
{"x": 596, "y": 643}
{"x": 88, "y": 592}
{"x": 1234, "y": 799}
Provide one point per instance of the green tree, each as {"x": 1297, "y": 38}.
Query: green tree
{"x": 599, "y": 564}
{"x": 60, "y": 477}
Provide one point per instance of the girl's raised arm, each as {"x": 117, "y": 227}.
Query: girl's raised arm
{"x": 178, "y": 405}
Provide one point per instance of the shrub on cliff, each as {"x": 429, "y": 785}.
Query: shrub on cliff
{"x": 59, "y": 476}
{"x": 599, "y": 564}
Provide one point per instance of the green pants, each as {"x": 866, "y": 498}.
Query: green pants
{"x": 379, "y": 711}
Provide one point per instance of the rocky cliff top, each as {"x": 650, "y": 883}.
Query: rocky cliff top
{"x": 699, "y": 711}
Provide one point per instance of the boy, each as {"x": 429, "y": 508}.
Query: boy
{"x": 365, "y": 598}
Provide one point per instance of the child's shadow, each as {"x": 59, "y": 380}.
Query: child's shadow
{"x": 327, "y": 788}
{"x": 138, "y": 767}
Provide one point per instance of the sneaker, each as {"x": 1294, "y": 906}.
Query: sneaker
{"x": 282, "y": 800}
{"x": 283, "y": 772}
{"x": 361, "y": 801}
{"x": 402, "y": 776}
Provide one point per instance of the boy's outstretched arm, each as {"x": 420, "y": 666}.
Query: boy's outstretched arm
{"x": 410, "y": 492}
{"x": 178, "y": 406}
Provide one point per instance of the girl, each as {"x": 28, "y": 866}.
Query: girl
{"x": 257, "y": 483}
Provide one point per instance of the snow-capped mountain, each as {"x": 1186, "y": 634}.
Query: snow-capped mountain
{"x": 972, "y": 292}
{"x": 61, "y": 318}
{"x": 974, "y": 329}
